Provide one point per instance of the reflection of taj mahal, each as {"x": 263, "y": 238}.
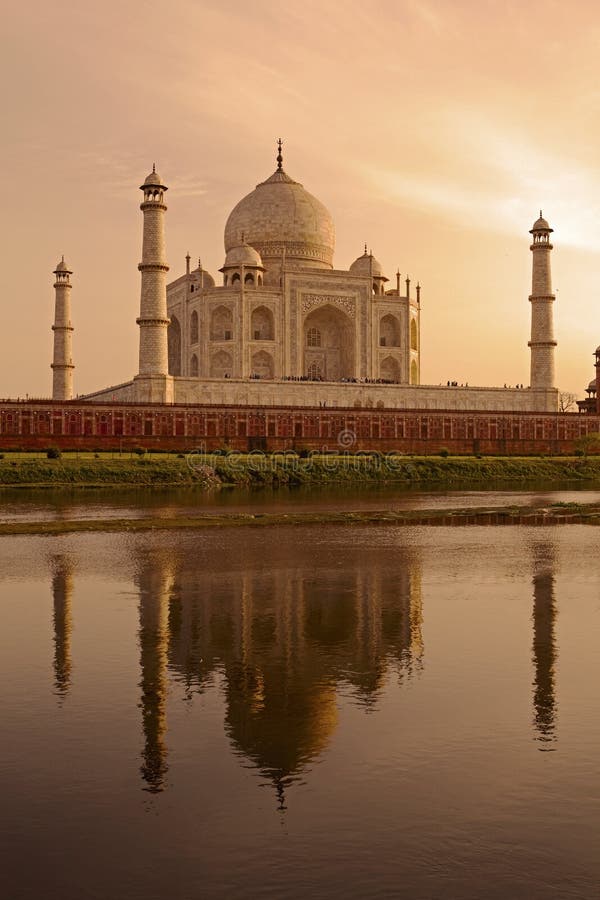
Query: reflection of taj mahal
{"x": 284, "y": 314}
{"x": 285, "y": 645}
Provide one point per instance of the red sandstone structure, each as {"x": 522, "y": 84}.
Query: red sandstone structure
{"x": 77, "y": 424}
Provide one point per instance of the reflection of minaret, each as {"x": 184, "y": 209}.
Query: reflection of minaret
{"x": 62, "y": 591}
{"x": 544, "y": 648}
{"x": 155, "y": 584}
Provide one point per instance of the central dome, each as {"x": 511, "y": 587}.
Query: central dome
{"x": 280, "y": 216}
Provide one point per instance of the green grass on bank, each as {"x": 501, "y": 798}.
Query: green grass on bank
{"x": 208, "y": 470}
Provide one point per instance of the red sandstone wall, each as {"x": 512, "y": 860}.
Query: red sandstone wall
{"x": 31, "y": 425}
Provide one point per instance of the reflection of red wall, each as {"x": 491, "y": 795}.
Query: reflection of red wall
{"x": 93, "y": 425}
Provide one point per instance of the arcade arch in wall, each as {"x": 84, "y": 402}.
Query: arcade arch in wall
{"x": 221, "y": 324}
{"x": 389, "y": 369}
{"x": 262, "y": 325}
{"x": 174, "y": 346}
{"x": 194, "y": 328}
{"x": 262, "y": 364}
{"x": 389, "y": 331}
{"x": 414, "y": 335}
{"x": 221, "y": 365}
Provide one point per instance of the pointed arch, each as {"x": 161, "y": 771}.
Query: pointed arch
{"x": 194, "y": 366}
{"x": 389, "y": 369}
{"x": 414, "y": 335}
{"x": 414, "y": 372}
{"x": 262, "y": 327}
{"x": 389, "y": 331}
{"x": 221, "y": 364}
{"x": 262, "y": 364}
{"x": 194, "y": 328}
{"x": 174, "y": 346}
{"x": 332, "y": 336}
{"x": 221, "y": 324}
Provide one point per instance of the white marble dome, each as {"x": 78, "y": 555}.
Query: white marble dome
{"x": 367, "y": 265}
{"x": 243, "y": 255}
{"x": 279, "y": 216}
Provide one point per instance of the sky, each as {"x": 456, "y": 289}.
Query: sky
{"x": 433, "y": 130}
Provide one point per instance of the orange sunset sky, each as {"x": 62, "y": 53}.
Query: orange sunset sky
{"x": 432, "y": 131}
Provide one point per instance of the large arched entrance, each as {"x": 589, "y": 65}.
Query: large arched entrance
{"x": 329, "y": 339}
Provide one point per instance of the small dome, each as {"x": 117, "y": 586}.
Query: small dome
{"x": 541, "y": 225}
{"x": 243, "y": 255}
{"x": 205, "y": 279}
{"x": 592, "y": 386}
{"x": 367, "y": 265}
{"x": 154, "y": 179}
{"x": 62, "y": 267}
{"x": 597, "y": 350}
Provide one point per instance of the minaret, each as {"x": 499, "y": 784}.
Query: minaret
{"x": 153, "y": 381}
{"x": 62, "y": 366}
{"x": 542, "y": 341}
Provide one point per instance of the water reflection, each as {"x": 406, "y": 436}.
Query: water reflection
{"x": 544, "y": 646}
{"x": 62, "y": 592}
{"x": 155, "y": 583}
{"x": 284, "y": 642}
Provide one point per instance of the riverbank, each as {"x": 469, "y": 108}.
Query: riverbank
{"x": 555, "y": 514}
{"x": 254, "y": 470}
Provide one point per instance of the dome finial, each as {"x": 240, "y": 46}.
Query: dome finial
{"x": 366, "y": 254}
{"x": 154, "y": 168}
{"x": 279, "y": 156}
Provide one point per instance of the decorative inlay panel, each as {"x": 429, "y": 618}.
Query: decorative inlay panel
{"x": 347, "y": 304}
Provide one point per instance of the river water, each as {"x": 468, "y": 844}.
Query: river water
{"x": 43, "y": 505}
{"x": 301, "y": 711}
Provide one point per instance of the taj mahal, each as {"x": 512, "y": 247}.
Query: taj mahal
{"x": 286, "y": 327}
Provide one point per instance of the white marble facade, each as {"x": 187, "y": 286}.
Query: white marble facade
{"x": 283, "y": 327}
{"x": 282, "y": 311}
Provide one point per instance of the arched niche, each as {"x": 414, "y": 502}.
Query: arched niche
{"x": 221, "y": 365}
{"x": 333, "y": 351}
{"x": 174, "y": 346}
{"x": 414, "y": 372}
{"x": 389, "y": 331}
{"x": 389, "y": 369}
{"x": 194, "y": 328}
{"x": 194, "y": 366}
{"x": 414, "y": 335}
{"x": 262, "y": 326}
{"x": 262, "y": 364}
{"x": 221, "y": 324}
